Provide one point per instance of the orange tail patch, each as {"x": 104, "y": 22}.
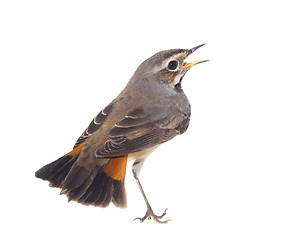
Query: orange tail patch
{"x": 116, "y": 168}
{"x": 75, "y": 151}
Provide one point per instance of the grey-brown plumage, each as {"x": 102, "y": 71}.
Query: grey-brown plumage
{"x": 152, "y": 109}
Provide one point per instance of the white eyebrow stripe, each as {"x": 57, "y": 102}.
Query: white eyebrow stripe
{"x": 157, "y": 68}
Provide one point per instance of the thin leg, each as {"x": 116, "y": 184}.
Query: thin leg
{"x": 149, "y": 213}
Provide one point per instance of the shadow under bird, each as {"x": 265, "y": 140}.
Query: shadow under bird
{"x": 151, "y": 110}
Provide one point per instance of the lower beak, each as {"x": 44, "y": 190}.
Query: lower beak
{"x": 190, "y": 64}
{"x": 190, "y": 51}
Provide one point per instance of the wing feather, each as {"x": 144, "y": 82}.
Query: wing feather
{"x": 143, "y": 129}
{"x": 95, "y": 124}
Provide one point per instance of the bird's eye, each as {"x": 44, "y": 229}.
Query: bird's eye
{"x": 172, "y": 65}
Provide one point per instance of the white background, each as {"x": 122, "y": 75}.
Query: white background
{"x": 236, "y": 173}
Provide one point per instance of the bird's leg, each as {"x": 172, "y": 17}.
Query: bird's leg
{"x": 149, "y": 213}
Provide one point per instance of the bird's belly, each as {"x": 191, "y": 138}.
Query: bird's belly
{"x": 142, "y": 155}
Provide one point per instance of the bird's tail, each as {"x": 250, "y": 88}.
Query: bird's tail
{"x": 56, "y": 171}
{"x": 96, "y": 185}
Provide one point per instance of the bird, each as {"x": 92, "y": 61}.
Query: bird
{"x": 151, "y": 110}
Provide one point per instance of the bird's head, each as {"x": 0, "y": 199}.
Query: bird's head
{"x": 168, "y": 66}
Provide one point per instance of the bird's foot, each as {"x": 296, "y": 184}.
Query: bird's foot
{"x": 150, "y": 215}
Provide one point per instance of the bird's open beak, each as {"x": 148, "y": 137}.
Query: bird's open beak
{"x": 190, "y": 51}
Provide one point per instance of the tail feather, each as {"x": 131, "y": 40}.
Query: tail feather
{"x": 75, "y": 179}
{"x": 94, "y": 188}
{"x": 56, "y": 171}
{"x": 94, "y": 191}
{"x": 119, "y": 196}
{"x": 58, "y": 178}
{"x": 106, "y": 195}
{"x": 95, "y": 185}
{"x": 77, "y": 192}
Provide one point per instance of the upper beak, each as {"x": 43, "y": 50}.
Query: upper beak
{"x": 190, "y": 51}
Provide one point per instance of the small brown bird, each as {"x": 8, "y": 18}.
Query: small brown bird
{"x": 152, "y": 109}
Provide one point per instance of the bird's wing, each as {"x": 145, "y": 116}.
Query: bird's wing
{"x": 95, "y": 124}
{"x": 142, "y": 129}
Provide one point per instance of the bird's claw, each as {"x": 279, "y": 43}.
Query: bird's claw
{"x": 150, "y": 215}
